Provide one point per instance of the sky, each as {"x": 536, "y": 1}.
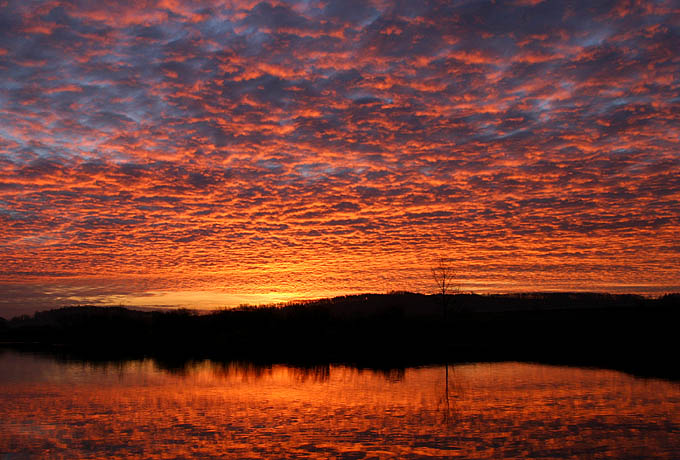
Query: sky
{"x": 209, "y": 154}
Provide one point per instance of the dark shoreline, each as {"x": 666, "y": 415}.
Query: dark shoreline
{"x": 391, "y": 331}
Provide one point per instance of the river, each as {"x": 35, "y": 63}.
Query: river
{"x": 53, "y": 408}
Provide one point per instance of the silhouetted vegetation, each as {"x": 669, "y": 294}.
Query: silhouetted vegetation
{"x": 444, "y": 276}
{"x": 626, "y": 332}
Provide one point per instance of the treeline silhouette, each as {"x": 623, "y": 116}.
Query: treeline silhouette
{"x": 626, "y": 332}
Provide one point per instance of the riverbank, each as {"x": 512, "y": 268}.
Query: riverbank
{"x": 628, "y": 333}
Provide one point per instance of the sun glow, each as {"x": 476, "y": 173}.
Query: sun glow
{"x": 272, "y": 152}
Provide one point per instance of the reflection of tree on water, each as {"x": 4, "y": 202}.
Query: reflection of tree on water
{"x": 247, "y": 371}
{"x": 315, "y": 374}
{"x": 452, "y": 389}
{"x": 392, "y": 375}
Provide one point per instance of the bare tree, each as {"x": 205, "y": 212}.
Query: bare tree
{"x": 444, "y": 275}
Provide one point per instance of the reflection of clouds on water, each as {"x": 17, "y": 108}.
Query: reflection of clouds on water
{"x": 242, "y": 410}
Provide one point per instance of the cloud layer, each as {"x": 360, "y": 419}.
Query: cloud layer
{"x": 314, "y": 147}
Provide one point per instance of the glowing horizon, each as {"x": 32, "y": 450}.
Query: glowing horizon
{"x": 212, "y": 153}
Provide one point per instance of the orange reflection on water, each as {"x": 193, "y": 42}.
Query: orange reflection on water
{"x": 209, "y": 410}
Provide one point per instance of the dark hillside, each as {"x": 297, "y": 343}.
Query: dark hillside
{"x": 398, "y": 329}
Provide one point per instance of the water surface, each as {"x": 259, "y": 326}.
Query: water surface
{"x": 136, "y": 409}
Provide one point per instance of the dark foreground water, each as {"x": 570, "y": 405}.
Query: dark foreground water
{"x": 52, "y": 409}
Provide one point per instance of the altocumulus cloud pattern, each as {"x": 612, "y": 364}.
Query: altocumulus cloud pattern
{"x": 272, "y": 149}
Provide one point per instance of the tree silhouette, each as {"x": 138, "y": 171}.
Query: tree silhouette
{"x": 444, "y": 275}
